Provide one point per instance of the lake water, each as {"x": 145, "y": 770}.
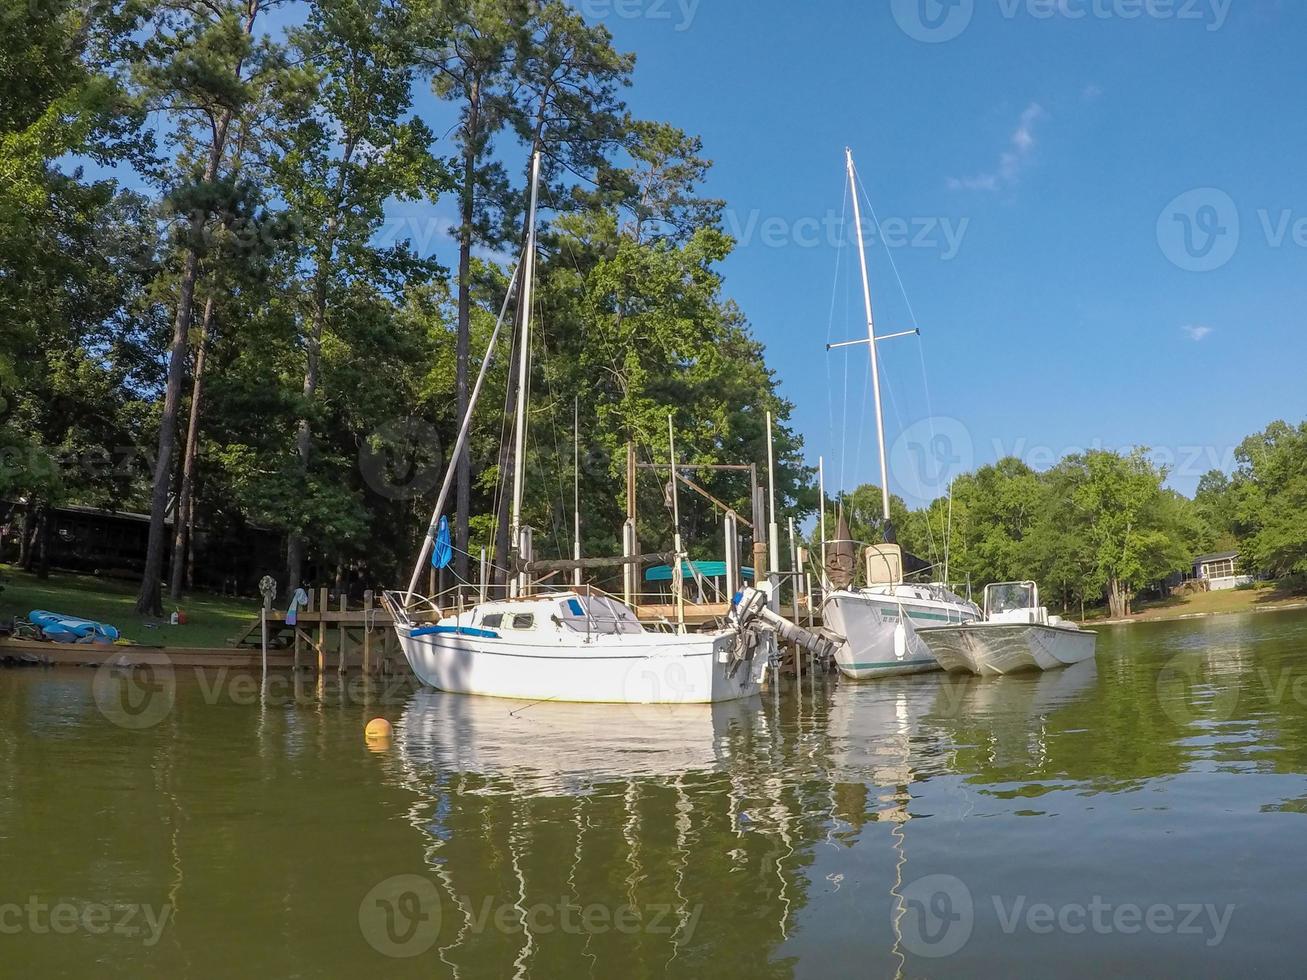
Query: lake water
{"x": 1142, "y": 815}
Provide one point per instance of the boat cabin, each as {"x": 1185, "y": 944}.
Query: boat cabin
{"x": 573, "y": 611}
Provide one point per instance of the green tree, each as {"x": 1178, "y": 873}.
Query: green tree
{"x": 566, "y": 106}
{"x": 348, "y": 146}
{"x": 1129, "y": 524}
{"x": 73, "y": 257}
{"x": 468, "y": 47}
{"x": 201, "y": 63}
{"x": 1270, "y": 490}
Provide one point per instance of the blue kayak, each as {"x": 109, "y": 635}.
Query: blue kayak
{"x": 71, "y": 629}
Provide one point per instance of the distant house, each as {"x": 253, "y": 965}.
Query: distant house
{"x": 113, "y": 544}
{"x": 1220, "y": 571}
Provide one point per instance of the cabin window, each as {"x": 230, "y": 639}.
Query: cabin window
{"x": 524, "y": 621}
{"x": 493, "y": 622}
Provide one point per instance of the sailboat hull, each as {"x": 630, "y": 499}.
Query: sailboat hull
{"x": 658, "y": 669}
{"x": 992, "y": 649}
{"x": 880, "y": 633}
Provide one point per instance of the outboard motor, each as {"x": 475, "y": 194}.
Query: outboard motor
{"x": 752, "y": 610}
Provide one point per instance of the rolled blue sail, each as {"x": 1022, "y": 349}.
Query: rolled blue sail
{"x": 443, "y": 552}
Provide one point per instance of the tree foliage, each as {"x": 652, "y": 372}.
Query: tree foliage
{"x": 249, "y": 279}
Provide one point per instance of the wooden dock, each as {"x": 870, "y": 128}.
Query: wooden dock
{"x": 326, "y": 637}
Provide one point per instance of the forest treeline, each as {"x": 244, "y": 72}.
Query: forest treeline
{"x": 207, "y": 316}
{"x": 207, "y": 313}
{"x": 1102, "y": 526}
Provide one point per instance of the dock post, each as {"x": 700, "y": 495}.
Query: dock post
{"x": 342, "y": 637}
{"x": 322, "y": 631}
{"x": 368, "y": 604}
{"x": 629, "y": 571}
{"x": 732, "y": 535}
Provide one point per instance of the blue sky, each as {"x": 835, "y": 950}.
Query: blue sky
{"x": 1097, "y": 210}
{"x": 1065, "y": 310}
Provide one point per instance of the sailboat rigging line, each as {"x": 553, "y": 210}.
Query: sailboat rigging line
{"x": 527, "y": 707}
{"x": 501, "y": 485}
{"x": 830, "y": 320}
{"x": 553, "y": 425}
{"x": 461, "y": 441}
{"x": 524, "y": 370}
{"x": 912, "y": 316}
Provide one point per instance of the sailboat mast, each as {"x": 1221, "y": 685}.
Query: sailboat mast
{"x": 524, "y": 360}
{"x": 576, "y": 490}
{"x": 678, "y": 573}
{"x": 871, "y": 333}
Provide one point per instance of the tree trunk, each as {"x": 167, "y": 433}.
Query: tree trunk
{"x": 185, "y": 503}
{"x": 304, "y": 442}
{"x": 1118, "y": 604}
{"x": 26, "y": 542}
{"x": 149, "y": 600}
{"x": 190, "y": 542}
{"x": 294, "y": 564}
{"x": 43, "y": 537}
{"x": 463, "y": 486}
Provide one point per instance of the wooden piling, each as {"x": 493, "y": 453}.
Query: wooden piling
{"x": 342, "y": 637}
{"x": 368, "y": 605}
{"x": 322, "y": 631}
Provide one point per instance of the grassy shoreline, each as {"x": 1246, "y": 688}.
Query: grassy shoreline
{"x": 211, "y": 620}
{"x": 1266, "y": 597}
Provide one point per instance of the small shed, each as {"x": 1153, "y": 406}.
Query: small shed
{"x": 1220, "y": 571}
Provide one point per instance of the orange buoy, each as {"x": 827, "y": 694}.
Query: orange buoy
{"x": 378, "y": 729}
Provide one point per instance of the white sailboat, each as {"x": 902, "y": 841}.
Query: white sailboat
{"x": 1016, "y": 634}
{"x": 874, "y": 627}
{"x": 568, "y": 645}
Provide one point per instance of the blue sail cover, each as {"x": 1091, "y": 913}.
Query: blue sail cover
{"x": 443, "y": 552}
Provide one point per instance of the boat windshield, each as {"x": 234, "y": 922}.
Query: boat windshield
{"x": 1009, "y": 597}
{"x": 598, "y": 614}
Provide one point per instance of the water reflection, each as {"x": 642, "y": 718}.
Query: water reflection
{"x": 774, "y": 837}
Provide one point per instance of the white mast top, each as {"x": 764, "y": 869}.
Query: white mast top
{"x": 871, "y": 334}
{"x": 524, "y": 360}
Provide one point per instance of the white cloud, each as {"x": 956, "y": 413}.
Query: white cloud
{"x": 1012, "y": 161}
{"x": 1196, "y": 333}
{"x": 1091, "y": 92}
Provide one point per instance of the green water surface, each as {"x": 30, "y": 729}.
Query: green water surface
{"x": 1145, "y": 815}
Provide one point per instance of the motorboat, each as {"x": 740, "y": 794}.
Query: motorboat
{"x": 875, "y": 627}
{"x": 1016, "y": 634}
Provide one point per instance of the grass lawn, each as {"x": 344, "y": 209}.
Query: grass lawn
{"x": 1265, "y": 596}
{"x": 211, "y": 620}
